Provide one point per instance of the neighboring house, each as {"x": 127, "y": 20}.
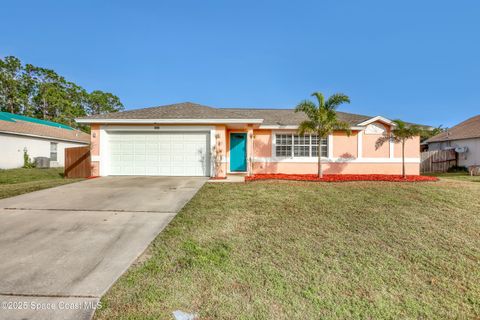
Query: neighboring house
{"x": 39, "y": 138}
{"x": 188, "y": 139}
{"x": 464, "y": 137}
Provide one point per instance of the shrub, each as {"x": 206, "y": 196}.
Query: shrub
{"x": 27, "y": 162}
{"x": 457, "y": 169}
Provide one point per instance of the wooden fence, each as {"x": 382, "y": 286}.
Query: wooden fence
{"x": 77, "y": 162}
{"x": 437, "y": 161}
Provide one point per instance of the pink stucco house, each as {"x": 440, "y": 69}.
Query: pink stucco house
{"x": 188, "y": 139}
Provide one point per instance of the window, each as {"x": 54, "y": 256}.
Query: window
{"x": 292, "y": 145}
{"x": 283, "y": 147}
{"x": 53, "y": 151}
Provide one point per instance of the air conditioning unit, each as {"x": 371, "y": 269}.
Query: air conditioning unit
{"x": 461, "y": 149}
{"x": 42, "y": 162}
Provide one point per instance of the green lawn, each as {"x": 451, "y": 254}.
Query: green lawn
{"x": 17, "y": 181}
{"x": 293, "y": 250}
{"x": 462, "y": 176}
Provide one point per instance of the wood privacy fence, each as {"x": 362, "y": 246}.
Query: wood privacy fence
{"x": 77, "y": 162}
{"x": 437, "y": 161}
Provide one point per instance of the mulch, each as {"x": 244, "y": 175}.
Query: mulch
{"x": 341, "y": 177}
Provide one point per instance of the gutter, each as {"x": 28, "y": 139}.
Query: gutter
{"x": 170, "y": 121}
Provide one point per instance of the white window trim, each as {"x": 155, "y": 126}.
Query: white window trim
{"x": 301, "y": 159}
{"x": 56, "y": 151}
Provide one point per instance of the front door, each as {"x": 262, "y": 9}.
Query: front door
{"x": 238, "y": 152}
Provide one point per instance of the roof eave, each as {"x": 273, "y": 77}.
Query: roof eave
{"x": 377, "y": 118}
{"x": 292, "y": 127}
{"x": 170, "y": 121}
{"x": 44, "y": 136}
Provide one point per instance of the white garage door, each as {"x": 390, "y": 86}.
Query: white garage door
{"x": 159, "y": 153}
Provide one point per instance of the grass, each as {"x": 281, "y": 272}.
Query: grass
{"x": 461, "y": 176}
{"x": 17, "y": 181}
{"x": 306, "y": 250}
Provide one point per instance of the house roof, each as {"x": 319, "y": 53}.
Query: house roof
{"x": 22, "y": 125}
{"x": 467, "y": 129}
{"x": 290, "y": 117}
{"x": 193, "y": 111}
{"x": 184, "y": 110}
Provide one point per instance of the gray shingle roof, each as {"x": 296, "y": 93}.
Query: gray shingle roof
{"x": 189, "y": 110}
{"x": 184, "y": 110}
{"x": 20, "y": 127}
{"x": 467, "y": 129}
{"x": 290, "y": 117}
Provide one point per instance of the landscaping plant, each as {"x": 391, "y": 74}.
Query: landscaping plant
{"x": 27, "y": 162}
{"x": 400, "y": 133}
{"x": 322, "y": 119}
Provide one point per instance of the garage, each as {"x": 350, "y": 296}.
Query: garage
{"x": 159, "y": 153}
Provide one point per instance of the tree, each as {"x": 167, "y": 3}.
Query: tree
{"x": 100, "y": 102}
{"x": 11, "y": 93}
{"x": 42, "y": 93}
{"x": 400, "y": 133}
{"x": 322, "y": 119}
{"x": 431, "y": 132}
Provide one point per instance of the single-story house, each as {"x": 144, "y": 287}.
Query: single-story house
{"x": 464, "y": 138}
{"x": 188, "y": 139}
{"x": 40, "y": 138}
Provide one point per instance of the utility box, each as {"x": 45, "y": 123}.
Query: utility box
{"x": 42, "y": 162}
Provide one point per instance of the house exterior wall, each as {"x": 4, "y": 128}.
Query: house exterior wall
{"x": 345, "y": 146}
{"x": 469, "y": 158}
{"x": 354, "y": 154}
{"x": 100, "y": 145}
{"x": 220, "y": 151}
{"x": 370, "y": 150}
{"x": 95, "y": 149}
{"x": 12, "y": 147}
{"x": 412, "y": 148}
{"x": 336, "y": 168}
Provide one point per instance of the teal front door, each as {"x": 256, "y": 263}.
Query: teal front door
{"x": 238, "y": 152}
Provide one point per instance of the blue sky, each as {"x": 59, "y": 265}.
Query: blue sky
{"x": 414, "y": 60}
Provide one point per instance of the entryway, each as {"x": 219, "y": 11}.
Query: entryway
{"x": 238, "y": 152}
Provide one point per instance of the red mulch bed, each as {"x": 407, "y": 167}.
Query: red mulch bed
{"x": 340, "y": 177}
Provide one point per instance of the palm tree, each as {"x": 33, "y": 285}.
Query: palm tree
{"x": 322, "y": 119}
{"x": 400, "y": 133}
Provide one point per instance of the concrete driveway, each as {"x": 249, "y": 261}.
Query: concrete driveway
{"x": 64, "y": 247}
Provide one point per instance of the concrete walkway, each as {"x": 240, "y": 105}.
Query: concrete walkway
{"x": 61, "y": 249}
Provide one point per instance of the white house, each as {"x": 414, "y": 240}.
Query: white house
{"x": 464, "y": 138}
{"x": 39, "y": 138}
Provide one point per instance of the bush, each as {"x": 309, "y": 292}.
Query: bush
{"x": 457, "y": 169}
{"x": 27, "y": 162}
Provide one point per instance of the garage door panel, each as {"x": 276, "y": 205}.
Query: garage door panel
{"x": 165, "y": 153}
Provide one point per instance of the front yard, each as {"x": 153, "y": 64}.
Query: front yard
{"x": 17, "y": 181}
{"x": 299, "y": 250}
{"x": 462, "y": 176}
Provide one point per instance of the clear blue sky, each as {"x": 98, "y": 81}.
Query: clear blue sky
{"x": 415, "y": 60}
